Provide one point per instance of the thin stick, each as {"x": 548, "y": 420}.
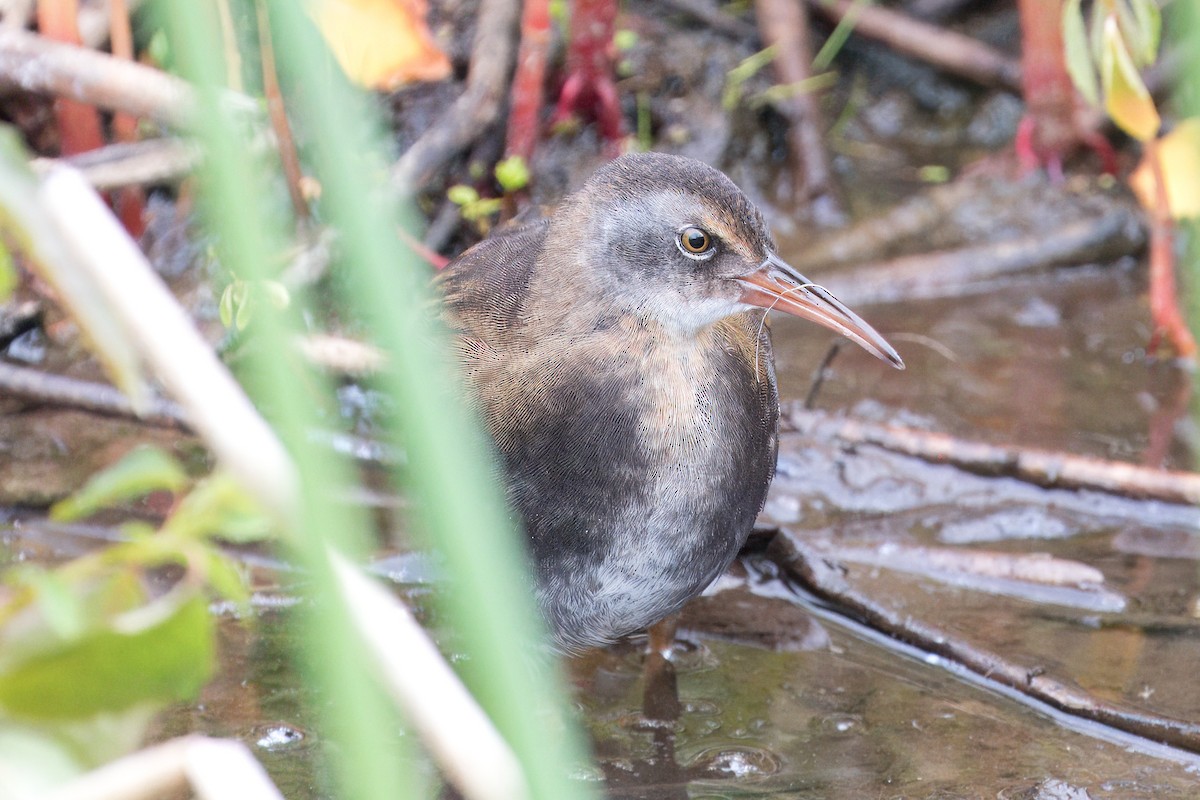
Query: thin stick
{"x": 100, "y": 398}
{"x": 947, "y": 50}
{"x": 213, "y": 768}
{"x": 1044, "y": 468}
{"x": 816, "y": 572}
{"x": 476, "y": 108}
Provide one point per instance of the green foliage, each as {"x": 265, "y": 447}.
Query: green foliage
{"x": 8, "y": 272}
{"x": 512, "y": 174}
{"x": 1105, "y": 54}
{"x": 155, "y": 653}
{"x": 241, "y": 298}
{"x": 86, "y": 654}
{"x": 141, "y": 471}
{"x": 744, "y": 71}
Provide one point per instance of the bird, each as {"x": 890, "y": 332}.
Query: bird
{"x": 618, "y": 356}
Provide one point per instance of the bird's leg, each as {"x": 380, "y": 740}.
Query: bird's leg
{"x": 660, "y": 695}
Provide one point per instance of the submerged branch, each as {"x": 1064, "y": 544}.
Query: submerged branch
{"x": 817, "y": 573}
{"x": 1047, "y": 469}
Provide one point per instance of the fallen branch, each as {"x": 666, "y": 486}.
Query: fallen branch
{"x": 953, "y": 52}
{"x": 1043, "y": 468}
{"x": 952, "y": 273}
{"x": 873, "y": 237}
{"x": 783, "y": 25}
{"x": 148, "y": 162}
{"x": 492, "y": 56}
{"x": 824, "y": 578}
{"x": 39, "y": 65}
{"x": 99, "y": 398}
{"x": 212, "y": 768}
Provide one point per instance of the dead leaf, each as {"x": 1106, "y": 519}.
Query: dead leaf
{"x": 1179, "y": 152}
{"x": 381, "y": 44}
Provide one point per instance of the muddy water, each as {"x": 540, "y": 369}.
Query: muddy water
{"x": 770, "y": 695}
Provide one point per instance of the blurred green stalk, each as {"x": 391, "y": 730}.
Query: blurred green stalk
{"x": 370, "y": 761}
{"x": 449, "y": 475}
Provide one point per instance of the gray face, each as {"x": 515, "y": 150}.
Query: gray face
{"x": 669, "y": 236}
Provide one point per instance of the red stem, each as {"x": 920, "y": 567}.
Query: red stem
{"x": 529, "y": 80}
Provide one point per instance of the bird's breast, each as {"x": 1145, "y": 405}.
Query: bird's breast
{"x": 638, "y": 466}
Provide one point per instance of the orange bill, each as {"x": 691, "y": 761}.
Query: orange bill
{"x": 777, "y": 285}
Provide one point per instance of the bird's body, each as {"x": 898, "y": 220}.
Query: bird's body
{"x": 628, "y": 387}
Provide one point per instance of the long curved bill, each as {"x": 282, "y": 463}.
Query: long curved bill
{"x": 777, "y": 285}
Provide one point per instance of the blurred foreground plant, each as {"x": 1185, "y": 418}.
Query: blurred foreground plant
{"x": 87, "y": 652}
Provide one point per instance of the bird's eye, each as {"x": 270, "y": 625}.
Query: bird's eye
{"x": 695, "y": 242}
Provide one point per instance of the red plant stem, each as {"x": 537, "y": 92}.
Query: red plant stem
{"x": 78, "y": 124}
{"x": 528, "y": 92}
{"x": 1164, "y": 299}
{"x": 129, "y": 201}
{"x": 277, "y": 112}
{"x": 1049, "y": 95}
{"x": 589, "y": 85}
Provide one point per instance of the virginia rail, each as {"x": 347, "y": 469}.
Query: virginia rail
{"x": 618, "y": 356}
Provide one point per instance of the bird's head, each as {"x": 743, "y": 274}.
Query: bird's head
{"x": 673, "y": 239}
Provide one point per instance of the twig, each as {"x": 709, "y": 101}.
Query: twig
{"x": 783, "y": 24}
{"x": 39, "y": 65}
{"x": 212, "y": 768}
{"x": 150, "y": 161}
{"x": 94, "y": 21}
{"x": 129, "y": 201}
{"x": 952, "y": 273}
{"x": 820, "y": 374}
{"x": 953, "y": 52}
{"x": 476, "y": 108}
{"x": 714, "y": 17}
{"x": 815, "y": 572}
{"x": 875, "y": 236}
{"x": 277, "y": 112}
{"x": 1040, "y": 467}
{"x": 60, "y": 390}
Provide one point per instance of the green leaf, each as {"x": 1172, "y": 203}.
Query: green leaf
{"x": 8, "y": 272}
{"x": 219, "y": 506}
{"x": 512, "y": 174}
{"x": 160, "y": 653}
{"x": 226, "y": 578}
{"x": 1126, "y": 98}
{"x": 1140, "y": 29}
{"x": 1149, "y": 19}
{"x": 225, "y": 307}
{"x": 141, "y": 471}
{"x": 744, "y": 71}
{"x": 461, "y": 195}
{"x": 60, "y": 606}
{"x": 276, "y": 293}
{"x": 1080, "y": 65}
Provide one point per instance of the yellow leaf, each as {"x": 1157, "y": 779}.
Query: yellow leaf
{"x": 1126, "y": 98}
{"x": 381, "y": 44}
{"x": 1179, "y": 153}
